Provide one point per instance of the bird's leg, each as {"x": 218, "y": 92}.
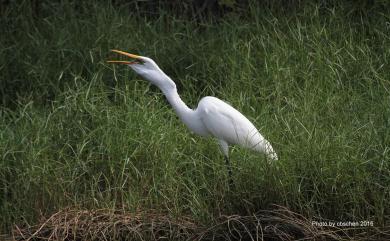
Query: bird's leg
{"x": 229, "y": 168}
{"x": 225, "y": 150}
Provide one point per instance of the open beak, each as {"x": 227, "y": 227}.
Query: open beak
{"x": 136, "y": 57}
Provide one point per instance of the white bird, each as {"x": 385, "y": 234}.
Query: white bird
{"x": 212, "y": 117}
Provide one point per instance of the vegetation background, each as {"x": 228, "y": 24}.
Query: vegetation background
{"x": 76, "y": 131}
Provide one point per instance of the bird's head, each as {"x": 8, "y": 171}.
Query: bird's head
{"x": 147, "y": 68}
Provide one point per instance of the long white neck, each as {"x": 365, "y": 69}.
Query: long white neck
{"x": 181, "y": 109}
{"x": 187, "y": 115}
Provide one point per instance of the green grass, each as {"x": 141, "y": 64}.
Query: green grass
{"x": 76, "y": 131}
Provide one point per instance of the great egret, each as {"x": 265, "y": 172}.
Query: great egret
{"x": 212, "y": 117}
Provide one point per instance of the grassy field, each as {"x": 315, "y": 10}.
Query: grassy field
{"x": 76, "y": 131}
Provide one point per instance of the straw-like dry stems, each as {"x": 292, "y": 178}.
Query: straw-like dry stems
{"x": 278, "y": 224}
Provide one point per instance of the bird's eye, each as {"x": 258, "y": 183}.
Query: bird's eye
{"x": 139, "y": 61}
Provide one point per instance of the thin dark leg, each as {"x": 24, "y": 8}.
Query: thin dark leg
{"x": 231, "y": 183}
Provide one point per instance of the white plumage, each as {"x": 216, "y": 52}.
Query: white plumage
{"x": 231, "y": 127}
{"x": 212, "y": 117}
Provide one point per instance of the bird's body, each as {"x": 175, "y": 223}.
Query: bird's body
{"x": 228, "y": 125}
{"x": 213, "y": 117}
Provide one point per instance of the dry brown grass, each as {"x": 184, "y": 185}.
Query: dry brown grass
{"x": 103, "y": 224}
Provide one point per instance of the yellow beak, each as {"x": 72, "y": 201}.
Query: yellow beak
{"x": 122, "y": 61}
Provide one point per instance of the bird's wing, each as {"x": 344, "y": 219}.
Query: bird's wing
{"x": 228, "y": 124}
